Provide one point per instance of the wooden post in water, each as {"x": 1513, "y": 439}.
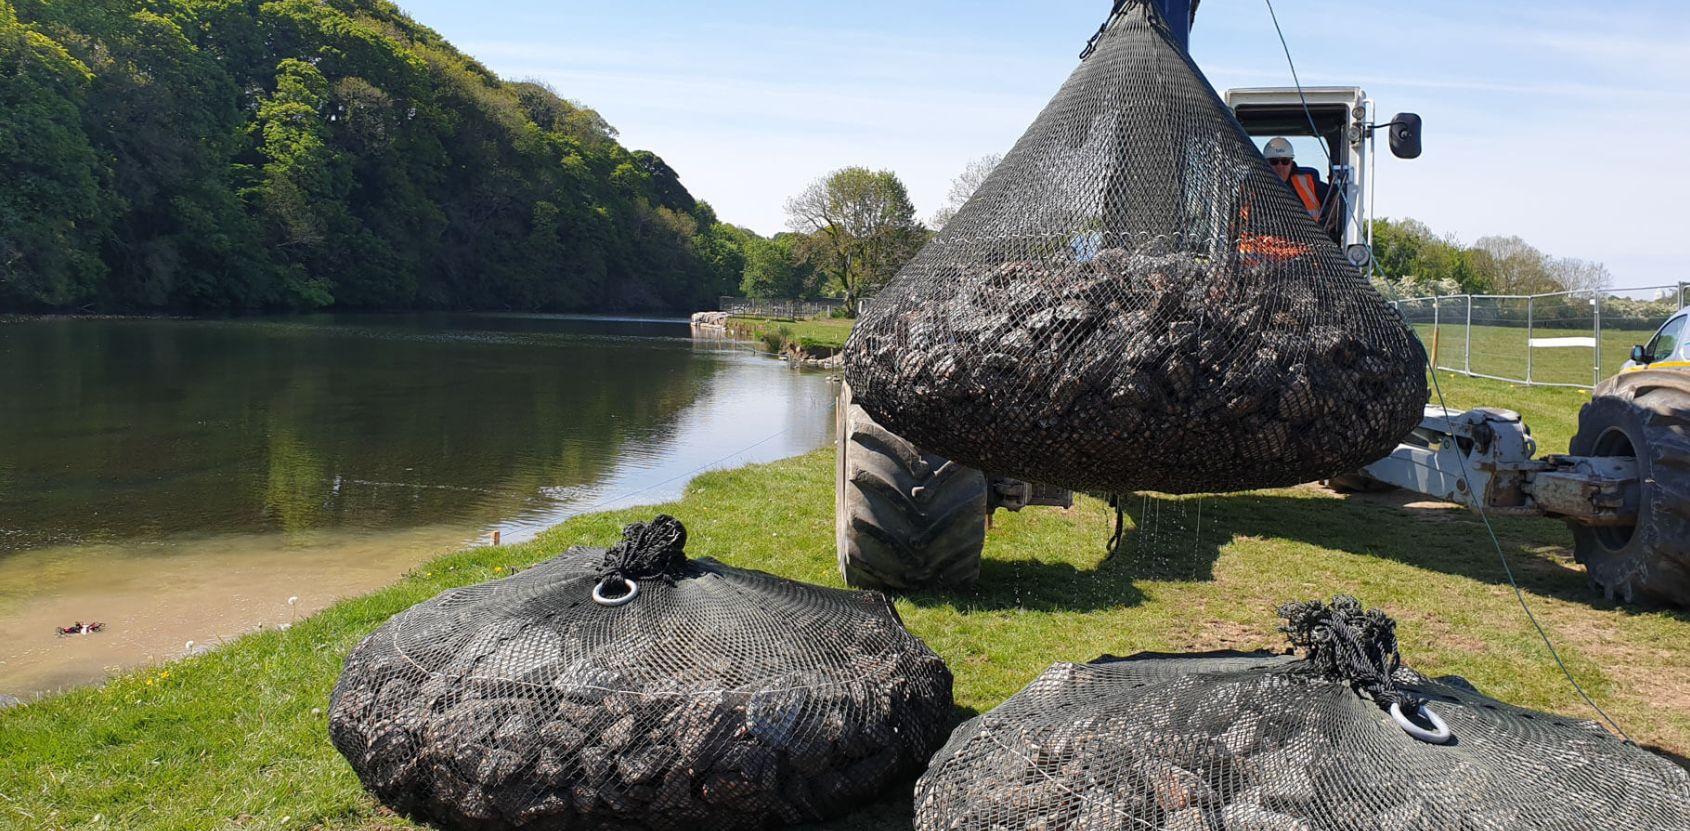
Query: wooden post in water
{"x": 495, "y": 537}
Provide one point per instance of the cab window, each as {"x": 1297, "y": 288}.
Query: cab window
{"x": 1666, "y": 341}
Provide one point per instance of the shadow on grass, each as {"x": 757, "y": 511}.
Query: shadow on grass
{"x": 1667, "y": 755}
{"x": 1040, "y": 586}
{"x": 1179, "y": 539}
{"x": 1162, "y": 544}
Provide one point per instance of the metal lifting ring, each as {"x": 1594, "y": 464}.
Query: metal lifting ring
{"x": 630, "y": 590}
{"x": 1439, "y": 734}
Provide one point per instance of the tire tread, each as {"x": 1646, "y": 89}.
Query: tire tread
{"x": 908, "y": 519}
{"x": 1653, "y": 407}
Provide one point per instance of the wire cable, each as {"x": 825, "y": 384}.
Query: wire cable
{"x": 1519, "y": 595}
{"x": 1478, "y": 504}
{"x": 1327, "y": 151}
{"x": 1372, "y": 194}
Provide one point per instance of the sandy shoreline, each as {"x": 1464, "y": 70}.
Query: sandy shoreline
{"x": 155, "y": 597}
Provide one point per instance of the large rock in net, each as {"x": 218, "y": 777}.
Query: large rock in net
{"x": 1133, "y": 300}
{"x": 713, "y": 698}
{"x": 1229, "y": 742}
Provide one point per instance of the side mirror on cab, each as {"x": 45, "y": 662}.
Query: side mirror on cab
{"x": 1639, "y": 355}
{"x": 1405, "y": 135}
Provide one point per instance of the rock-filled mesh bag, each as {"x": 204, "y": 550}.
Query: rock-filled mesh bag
{"x": 1133, "y": 300}
{"x": 1232, "y": 742}
{"x": 684, "y": 695}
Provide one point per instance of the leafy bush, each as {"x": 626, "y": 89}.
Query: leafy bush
{"x": 779, "y": 339}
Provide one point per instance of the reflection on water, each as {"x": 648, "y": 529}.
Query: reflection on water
{"x": 179, "y": 480}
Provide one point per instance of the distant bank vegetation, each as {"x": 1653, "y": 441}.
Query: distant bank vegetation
{"x": 286, "y": 155}
{"x": 853, "y": 229}
{"x": 256, "y": 155}
{"x": 1415, "y": 262}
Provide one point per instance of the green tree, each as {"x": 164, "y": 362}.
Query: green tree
{"x": 778, "y": 268}
{"x": 1513, "y": 266}
{"x": 864, "y": 226}
{"x": 1407, "y": 251}
{"x": 722, "y": 252}
{"x": 296, "y": 177}
{"x": 244, "y": 155}
{"x": 51, "y": 205}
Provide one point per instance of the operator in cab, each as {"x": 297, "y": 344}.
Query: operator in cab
{"x": 1303, "y": 181}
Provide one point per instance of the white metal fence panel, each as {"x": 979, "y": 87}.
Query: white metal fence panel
{"x": 1567, "y": 339}
{"x": 784, "y": 309}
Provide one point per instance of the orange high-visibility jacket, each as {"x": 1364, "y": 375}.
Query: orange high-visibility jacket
{"x": 1307, "y": 187}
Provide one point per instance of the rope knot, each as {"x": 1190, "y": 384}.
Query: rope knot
{"x": 655, "y": 549}
{"x": 1344, "y": 642}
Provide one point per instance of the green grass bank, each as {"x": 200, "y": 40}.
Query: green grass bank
{"x": 237, "y": 739}
{"x": 818, "y": 337}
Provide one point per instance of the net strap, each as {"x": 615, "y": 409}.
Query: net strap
{"x": 654, "y": 550}
{"x": 1342, "y": 641}
{"x": 1120, "y": 524}
{"x": 1115, "y": 12}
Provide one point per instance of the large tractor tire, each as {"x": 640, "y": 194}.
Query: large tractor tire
{"x": 905, "y": 519}
{"x": 1645, "y": 414}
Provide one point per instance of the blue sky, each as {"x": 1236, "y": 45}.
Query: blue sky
{"x": 1565, "y": 123}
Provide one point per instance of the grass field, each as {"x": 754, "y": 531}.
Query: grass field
{"x": 237, "y": 738}
{"x": 824, "y": 334}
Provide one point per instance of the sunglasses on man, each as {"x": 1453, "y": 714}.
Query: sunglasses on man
{"x": 1278, "y": 162}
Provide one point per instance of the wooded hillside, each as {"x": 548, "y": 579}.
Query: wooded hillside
{"x": 243, "y": 155}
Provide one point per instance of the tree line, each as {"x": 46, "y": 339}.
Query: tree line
{"x": 1414, "y": 261}
{"x": 259, "y": 155}
{"x": 850, "y": 232}
{"x": 853, "y": 229}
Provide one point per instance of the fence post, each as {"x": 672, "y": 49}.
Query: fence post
{"x": 1437, "y": 303}
{"x": 1596, "y": 300}
{"x": 1531, "y": 304}
{"x": 1467, "y": 350}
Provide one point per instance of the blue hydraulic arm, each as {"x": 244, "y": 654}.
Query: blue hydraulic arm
{"x": 1179, "y": 15}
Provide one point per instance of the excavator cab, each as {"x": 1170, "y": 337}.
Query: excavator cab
{"x": 1334, "y": 131}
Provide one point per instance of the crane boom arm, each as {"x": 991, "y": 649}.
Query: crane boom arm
{"x": 1179, "y": 14}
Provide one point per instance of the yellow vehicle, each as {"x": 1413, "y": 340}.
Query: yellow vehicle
{"x": 1668, "y": 349}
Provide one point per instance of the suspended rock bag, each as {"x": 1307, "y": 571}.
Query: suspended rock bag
{"x": 636, "y": 688}
{"x": 1230, "y": 742}
{"x": 1134, "y": 300}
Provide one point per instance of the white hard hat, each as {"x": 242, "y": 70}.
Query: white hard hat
{"x": 1279, "y": 148}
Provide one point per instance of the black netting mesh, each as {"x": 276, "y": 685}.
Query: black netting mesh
{"x": 716, "y": 698}
{"x": 1230, "y": 742}
{"x": 1133, "y": 300}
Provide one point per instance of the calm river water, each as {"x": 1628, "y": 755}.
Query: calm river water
{"x": 181, "y": 480}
